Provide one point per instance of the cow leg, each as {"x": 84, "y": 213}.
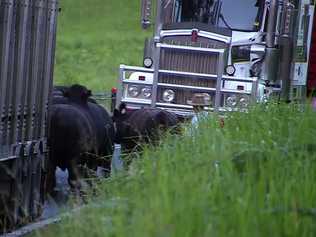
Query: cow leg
{"x": 74, "y": 177}
{"x": 106, "y": 166}
{"x": 92, "y": 165}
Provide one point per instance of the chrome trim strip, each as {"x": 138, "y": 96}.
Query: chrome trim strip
{"x": 156, "y": 57}
{"x": 240, "y": 79}
{"x": 136, "y": 101}
{"x": 236, "y": 92}
{"x": 136, "y": 69}
{"x": 189, "y": 107}
{"x": 119, "y": 95}
{"x": 175, "y": 106}
{"x": 214, "y": 36}
{"x": 220, "y": 72}
{"x": 189, "y": 74}
{"x": 254, "y": 88}
{"x": 201, "y": 33}
{"x": 129, "y": 106}
{"x": 190, "y": 48}
{"x": 127, "y": 81}
{"x": 206, "y": 89}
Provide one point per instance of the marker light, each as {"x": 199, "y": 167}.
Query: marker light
{"x": 148, "y": 62}
{"x": 230, "y": 70}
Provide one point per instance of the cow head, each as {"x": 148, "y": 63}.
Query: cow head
{"x": 78, "y": 93}
{"x": 125, "y": 133}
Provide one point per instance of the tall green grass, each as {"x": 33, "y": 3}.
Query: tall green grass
{"x": 254, "y": 177}
{"x": 94, "y": 37}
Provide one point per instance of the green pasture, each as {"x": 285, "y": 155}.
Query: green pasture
{"x": 94, "y": 38}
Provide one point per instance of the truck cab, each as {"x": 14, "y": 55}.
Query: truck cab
{"x": 237, "y": 51}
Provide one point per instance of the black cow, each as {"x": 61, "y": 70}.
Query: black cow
{"x": 101, "y": 118}
{"x": 59, "y": 95}
{"x": 141, "y": 126}
{"x": 80, "y": 132}
{"x": 60, "y": 90}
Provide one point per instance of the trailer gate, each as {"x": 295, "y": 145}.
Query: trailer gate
{"x": 27, "y": 46}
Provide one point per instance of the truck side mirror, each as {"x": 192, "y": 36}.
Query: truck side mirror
{"x": 146, "y": 13}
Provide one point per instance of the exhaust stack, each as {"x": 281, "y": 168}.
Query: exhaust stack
{"x": 272, "y": 53}
{"x": 146, "y": 13}
{"x": 273, "y": 16}
{"x": 286, "y": 46}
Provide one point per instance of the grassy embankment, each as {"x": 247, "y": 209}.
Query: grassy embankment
{"x": 94, "y": 37}
{"x": 254, "y": 177}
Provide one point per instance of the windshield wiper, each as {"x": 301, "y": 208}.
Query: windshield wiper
{"x": 225, "y": 22}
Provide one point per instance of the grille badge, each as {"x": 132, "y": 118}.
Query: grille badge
{"x": 195, "y": 36}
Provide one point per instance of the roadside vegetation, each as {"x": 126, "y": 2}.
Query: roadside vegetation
{"x": 253, "y": 177}
{"x": 93, "y": 38}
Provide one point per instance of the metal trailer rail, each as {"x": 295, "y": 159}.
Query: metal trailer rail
{"x": 32, "y": 227}
{"x": 27, "y": 46}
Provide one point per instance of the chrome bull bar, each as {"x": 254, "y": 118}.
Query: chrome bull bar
{"x": 219, "y": 78}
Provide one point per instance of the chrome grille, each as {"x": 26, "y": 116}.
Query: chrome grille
{"x": 197, "y": 62}
{"x": 188, "y": 61}
{"x": 177, "y": 80}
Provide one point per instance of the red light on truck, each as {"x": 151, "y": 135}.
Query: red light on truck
{"x": 142, "y": 78}
{"x": 114, "y": 90}
{"x": 195, "y": 36}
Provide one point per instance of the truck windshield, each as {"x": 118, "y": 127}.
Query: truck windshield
{"x": 233, "y": 14}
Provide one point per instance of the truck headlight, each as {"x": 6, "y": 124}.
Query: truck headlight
{"x": 168, "y": 96}
{"x": 133, "y": 91}
{"x": 231, "y": 101}
{"x": 146, "y": 92}
{"x": 244, "y": 101}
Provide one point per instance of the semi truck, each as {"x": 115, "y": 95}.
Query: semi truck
{"x": 239, "y": 52}
{"x": 27, "y": 46}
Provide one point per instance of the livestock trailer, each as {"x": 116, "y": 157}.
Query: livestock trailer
{"x": 27, "y": 46}
{"x": 238, "y": 51}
